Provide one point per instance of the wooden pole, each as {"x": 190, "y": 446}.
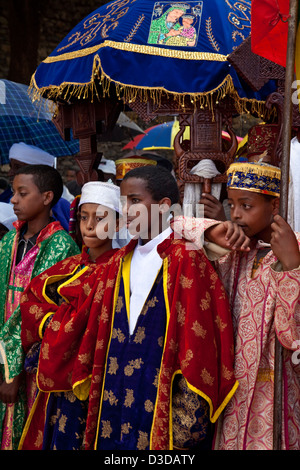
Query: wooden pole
{"x": 285, "y": 169}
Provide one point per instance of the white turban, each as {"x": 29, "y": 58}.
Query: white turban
{"x": 98, "y": 192}
{"x": 30, "y": 155}
{"x": 7, "y": 215}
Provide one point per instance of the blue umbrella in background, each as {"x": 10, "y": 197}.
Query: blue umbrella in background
{"x": 162, "y": 137}
{"x": 22, "y": 120}
{"x": 145, "y": 49}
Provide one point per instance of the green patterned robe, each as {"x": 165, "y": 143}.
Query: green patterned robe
{"x": 56, "y": 247}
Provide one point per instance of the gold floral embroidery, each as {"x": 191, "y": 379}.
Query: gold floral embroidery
{"x": 173, "y": 346}
{"x": 221, "y": 325}
{"x": 140, "y": 335}
{"x": 160, "y": 341}
{"x": 125, "y": 428}
{"x": 180, "y": 313}
{"x": 134, "y": 364}
{"x": 226, "y": 372}
{"x": 70, "y": 396}
{"x": 129, "y": 398}
{"x": 99, "y": 344}
{"x": 24, "y": 298}
{"x": 119, "y": 304}
{"x": 143, "y": 441}
{"x": 199, "y": 330}
{"x": 149, "y": 407}
{"x": 69, "y": 326}
{"x": 206, "y": 377}
{"x": 104, "y": 315}
{"x": 36, "y": 311}
{"x": 55, "y": 325}
{"x": 117, "y": 333}
{"x": 39, "y": 439}
{"x": 110, "y": 396}
{"x": 86, "y": 289}
{"x": 106, "y": 429}
{"x": 62, "y": 423}
{"x": 185, "y": 282}
{"x": 205, "y": 303}
{"x": 84, "y": 358}
{"x": 45, "y": 351}
{"x": 113, "y": 366}
{"x": 44, "y": 381}
{"x": 99, "y": 293}
{"x": 155, "y": 383}
{"x": 150, "y": 303}
{"x": 188, "y": 356}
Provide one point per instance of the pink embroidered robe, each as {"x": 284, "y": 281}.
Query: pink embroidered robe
{"x": 264, "y": 304}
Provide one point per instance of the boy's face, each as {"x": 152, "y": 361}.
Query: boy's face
{"x": 140, "y": 210}
{"x": 27, "y": 199}
{"x": 253, "y": 212}
{"x": 97, "y": 224}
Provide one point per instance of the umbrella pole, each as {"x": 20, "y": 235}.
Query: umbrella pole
{"x": 285, "y": 166}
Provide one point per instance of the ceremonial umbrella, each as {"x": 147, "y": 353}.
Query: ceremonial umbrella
{"x": 162, "y": 137}
{"x": 22, "y": 120}
{"x": 144, "y": 49}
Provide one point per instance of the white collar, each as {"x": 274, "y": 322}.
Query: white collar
{"x": 152, "y": 244}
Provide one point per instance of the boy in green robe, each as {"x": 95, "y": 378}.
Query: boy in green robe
{"x": 36, "y": 243}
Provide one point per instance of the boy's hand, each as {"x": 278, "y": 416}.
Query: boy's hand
{"x": 213, "y": 208}
{"x": 284, "y": 244}
{"x": 9, "y": 391}
{"x": 228, "y": 235}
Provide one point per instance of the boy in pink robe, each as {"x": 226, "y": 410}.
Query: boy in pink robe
{"x": 257, "y": 257}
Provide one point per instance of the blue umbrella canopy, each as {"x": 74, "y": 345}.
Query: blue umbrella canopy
{"x": 22, "y": 120}
{"x": 145, "y": 48}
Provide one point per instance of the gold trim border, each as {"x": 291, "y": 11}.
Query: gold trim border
{"x": 139, "y": 49}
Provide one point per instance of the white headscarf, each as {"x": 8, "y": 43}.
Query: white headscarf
{"x": 98, "y": 192}
{"x": 30, "y": 155}
{"x": 7, "y": 215}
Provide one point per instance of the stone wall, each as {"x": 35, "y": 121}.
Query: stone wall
{"x": 56, "y": 18}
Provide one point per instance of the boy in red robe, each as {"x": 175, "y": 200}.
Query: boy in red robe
{"x": 158, "y": 352}
{"x": 49, "y": 318}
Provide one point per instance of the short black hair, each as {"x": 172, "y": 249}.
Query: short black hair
{"x": 160, "y": 182}
{"x": 46, "y": 178}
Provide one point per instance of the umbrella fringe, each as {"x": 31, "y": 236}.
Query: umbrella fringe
{"x": 131, "y": 93}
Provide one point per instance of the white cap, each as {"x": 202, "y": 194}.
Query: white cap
{"x": 7, "y": 215}
{"x": 104, "y": 194}
{"x": 30, "y": 155}
{"x": 107, "y": 166}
